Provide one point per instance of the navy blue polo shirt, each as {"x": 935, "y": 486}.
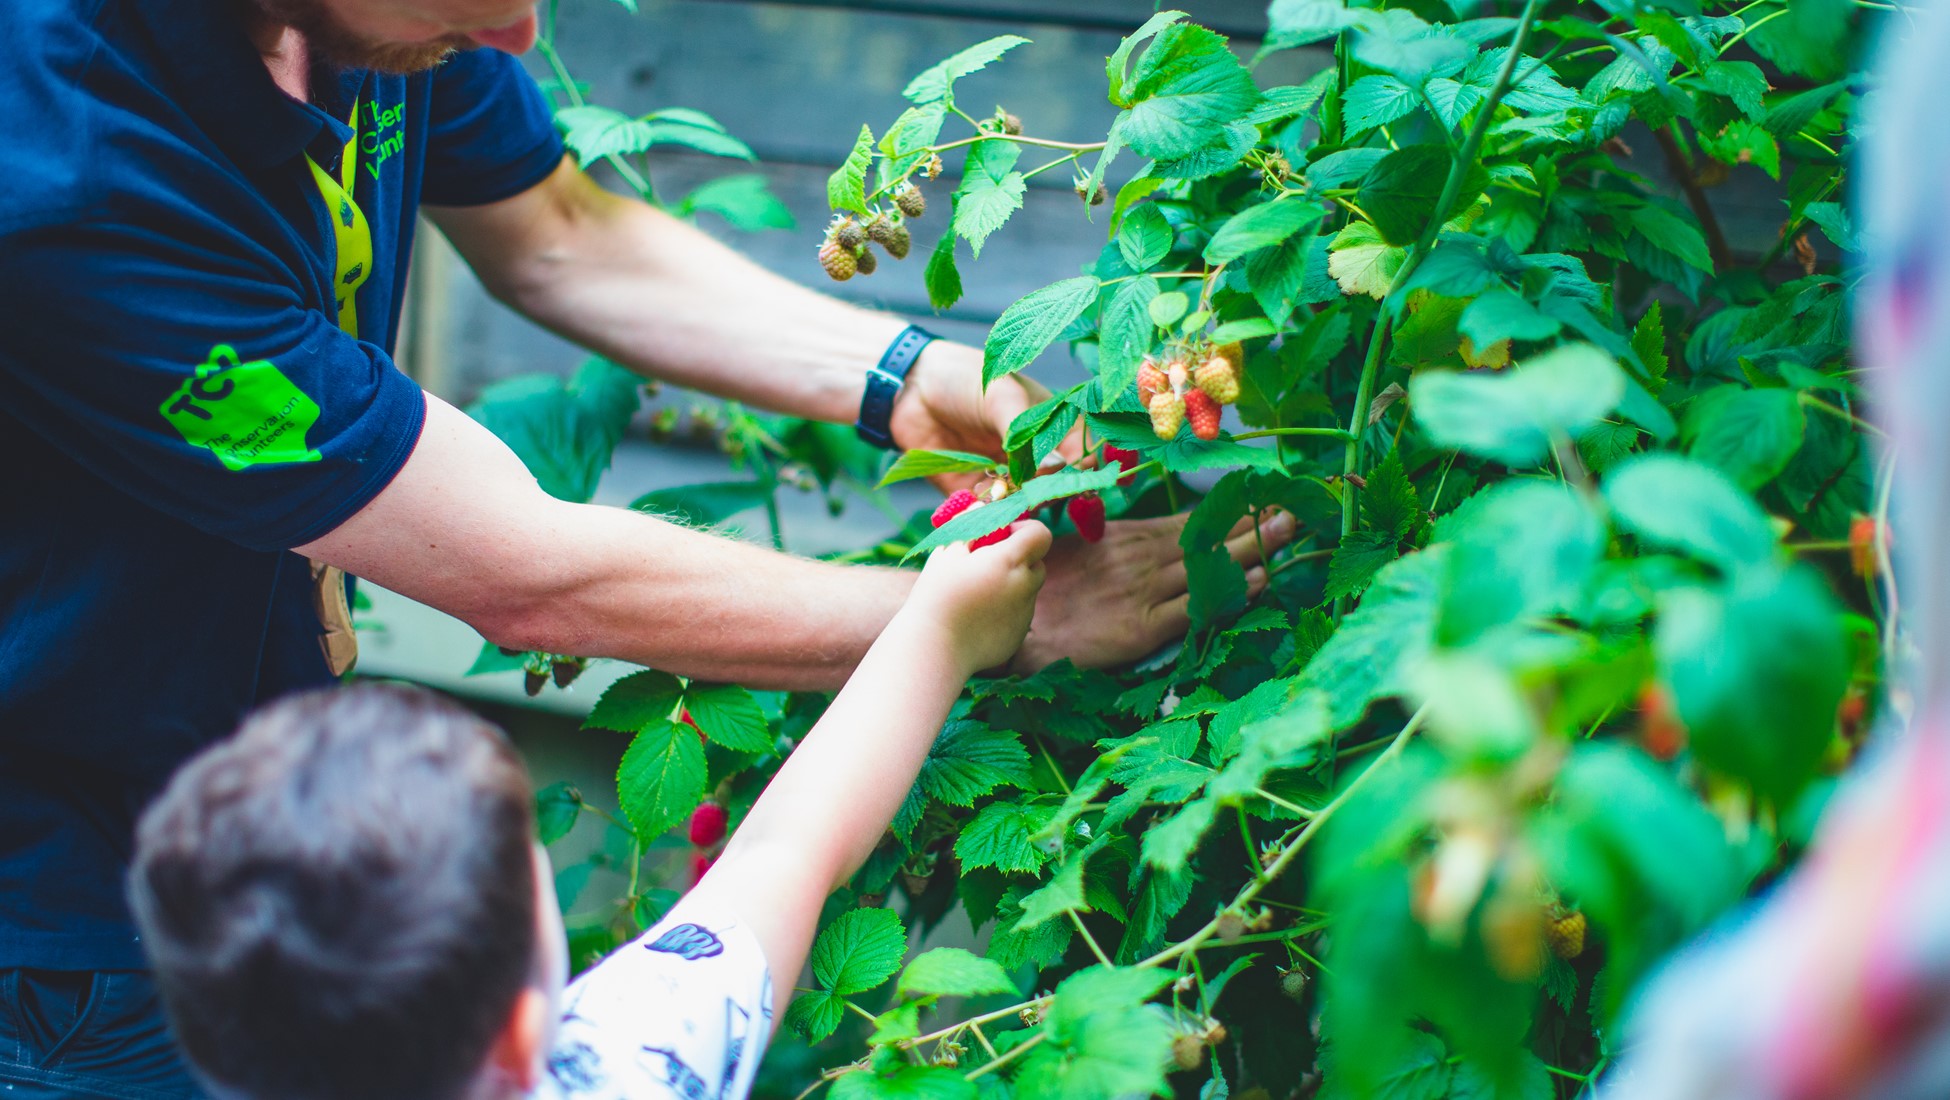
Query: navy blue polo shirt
{"x": 178, "y": 406}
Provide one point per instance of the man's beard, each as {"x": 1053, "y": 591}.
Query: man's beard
{"x": 337, "y": 45}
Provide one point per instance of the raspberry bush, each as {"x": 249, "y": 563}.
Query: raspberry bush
{"x": 1592, "y": 599}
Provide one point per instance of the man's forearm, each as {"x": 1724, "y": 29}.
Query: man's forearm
{"x": 660, "y": 296}
{"x": 464, "y": 528}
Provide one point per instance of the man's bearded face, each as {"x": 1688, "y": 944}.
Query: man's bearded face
{"x": 332, "y": 41}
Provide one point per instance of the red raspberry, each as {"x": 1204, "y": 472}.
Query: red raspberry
{"x": 1203, "y": 412}
{"x": 708, "y": 823}
{"x": 685, "y": 718}
{"x": 700, "y": 863}
{"x": 1151, "y": 380}
{"x": 1661, "y": 733}
{"x": 995, "y": 536}
{"x": 1130, "y": 460}
{"x": 1087, "y": 512}
{"x": 961, "y": 500}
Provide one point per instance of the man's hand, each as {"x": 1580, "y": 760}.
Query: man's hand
{"x": 943, "y": 407}
{"x": 1116, "y": 601}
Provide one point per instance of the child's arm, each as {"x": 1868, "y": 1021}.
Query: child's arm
{"x": 830, "y": 804}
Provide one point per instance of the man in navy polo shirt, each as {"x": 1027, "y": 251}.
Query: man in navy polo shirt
{"x": 208, "y": 210}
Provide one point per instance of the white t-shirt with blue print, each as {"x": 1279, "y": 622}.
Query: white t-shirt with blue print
{"x": 681, "y": 1013}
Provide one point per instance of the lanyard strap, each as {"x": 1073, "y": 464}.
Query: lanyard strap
{"x": 352, "y": 234}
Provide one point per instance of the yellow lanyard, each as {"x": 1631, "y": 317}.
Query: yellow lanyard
{"x": 350, "y": 230}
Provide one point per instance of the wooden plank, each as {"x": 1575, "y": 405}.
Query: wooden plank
{"x": 797, "y": 82}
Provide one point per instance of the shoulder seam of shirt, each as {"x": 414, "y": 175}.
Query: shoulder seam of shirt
{"x": 86, "y": 200}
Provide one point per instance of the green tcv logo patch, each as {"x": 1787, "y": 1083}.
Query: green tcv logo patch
{"x": 245, "y": 413}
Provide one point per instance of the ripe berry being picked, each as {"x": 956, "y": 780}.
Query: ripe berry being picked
{"x": 1129, "y": 460}
{"x": 708, "y": 823}
{"x": 1087, "y": 512}
{"x": 1203, "y": 412}
{"x": 961, "y": 500}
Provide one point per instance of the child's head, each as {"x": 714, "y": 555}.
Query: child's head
{"x": 344, "y": 900}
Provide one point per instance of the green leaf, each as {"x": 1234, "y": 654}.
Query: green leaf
{"x": 1124, "y": 336}
{"x": 976, "y": 522}
{"x": 1300, "y": 22}
{"x": 635, "y": 701}
{"x": 1277, "y": 276}
{"x": 1389, "y": 503}
{"x": 954, "y": 972}
{"x": 937, "y": 83}
{"x": 1030, "y": 325}
{"x": 1749, "y": 434}
{"x": 1741, "y": 81}
{"x": 1513, "y": 416}
{"x": 1376, "y": 101}
{"x": 943, "y": 278}
{"x": 1103, "y": 1040}
{"x": 1526, "y": 548}
{"x": 1789, "y": 116}
{"x": 969, "y": 760}
{"x": 593, "y": 132}
{"x": 984, "y": 205}
{"x": 1247, "y": 328}
{"x": 1387, "y": 635}
{"x": 661, "y": 778}
{"x": 1356, "y": 560}
{"x": 729, "y": 716}
{"x": 1168, "y": 308}
{"x": 1145, "y": 237}
{"x": 1361, "y": 262}
{"x": 491, "y": 659}
{"x": 999, "y": 837}
{"x": 1836, "y": 224}
{"x": 745, "y": 201}
{"x": 1421, "y": 1071}
{"x": 565, "y": 433}
{"x": 1803, "y": 42}
{"x": 859, "y": 951}
{"x": 1400, "y": 194}
{"x": 1457, "y": 267}
{"x": 906, "y": 1082}
{"x": 1649, "y": 344}
{"x": 1184, "y": 92}
{"x": 846, "y": 189}
{"x": 1671, "y": 233}
{"x": 815, "y": 1015}
{"x": 918, "y": 464}
{"x": 1502, "y": 314}
{"x": 704, "y": 505}
{"x": 556, "y": 808}
{"x": 1063, "y": 893}
{"x": 1259, "y": 227}
{"x": 1756, "y": 674}
{"x": 1117, "y": 65}
{"x": 1672, "y": 502}
{"x": 694, "y": 130}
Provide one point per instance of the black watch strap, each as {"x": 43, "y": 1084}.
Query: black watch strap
{"x": 884, "y": 384}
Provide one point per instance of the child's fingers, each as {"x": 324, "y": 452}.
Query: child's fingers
{"x": 1028, "y": 541}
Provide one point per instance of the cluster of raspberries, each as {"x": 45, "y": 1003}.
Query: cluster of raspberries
{"x": 1175, "y": 391}
{"x": 844, "y": 252}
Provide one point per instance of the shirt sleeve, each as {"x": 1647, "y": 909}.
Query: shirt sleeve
{"x": 683, "y": 1012}
{"x": 490, "y": 132}
{"x": 179, "y": 366}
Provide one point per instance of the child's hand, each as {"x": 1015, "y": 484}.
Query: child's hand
{"x": 982, "y": 599}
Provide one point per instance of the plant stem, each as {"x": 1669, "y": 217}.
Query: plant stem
{"x": 631, "y": 176}
{"x": 1263, "y": 433}
{"x": 1451, "y": 189}
{"x": 1014, "y": 1053}
{"x": 1684, "y": 173}
{"x": 1077, "y": 919}
{"x": 1040, "y": 143}
{"x": 1065, "y": 159}
{"x": 1292, "y": 849}
{"x": 1860, "y": 424}
{"x": 862, "y": 1013}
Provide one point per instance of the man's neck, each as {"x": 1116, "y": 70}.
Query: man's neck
{"x": 283, "y": 49}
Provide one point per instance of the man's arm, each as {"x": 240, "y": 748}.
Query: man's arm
{"x": 464, "y": 527}
{"x": 656, "y": 294}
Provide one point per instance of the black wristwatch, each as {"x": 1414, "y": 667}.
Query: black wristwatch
{"x": 884, "y": 384}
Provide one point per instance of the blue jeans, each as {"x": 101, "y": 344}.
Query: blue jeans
{"x": 98, "y": 1035}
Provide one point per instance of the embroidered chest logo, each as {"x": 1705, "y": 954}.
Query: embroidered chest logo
{"x": 245, "y": 413}
{"x": 382, "y": 135}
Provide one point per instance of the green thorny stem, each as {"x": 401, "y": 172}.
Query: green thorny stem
{"x": 1391, "y": 302}
{"x": 1290, "y": 848}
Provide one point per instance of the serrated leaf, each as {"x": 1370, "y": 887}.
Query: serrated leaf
{"x": 1389, "y": 503}
{"x": 999, "y": 837}
{"x": 1649, "y": 344}
{"x": 1503, "y": 314}
{"x": 846, "y": 188}
{"x": 661, "y": 778}
{"x": 937, "y": 82}
{"x": 635, "y": 701}
{"x": 858, "y": 951}
{"x": 1750, "y": 434}
{"x": 1261, "y": 226}
{"x": 969, "y": 760}
{"x": 1671, "y": 233}
{"x": 1030, "y": 325}
{"x": 815, "y": 1015}
{"x": 954, "y": 972}
{"x": 1401, "y": 192}
{"x": 1104, "y": 1041}
{"x": 1117, "y": 65}
{"x": 1356, "y": 560}
{"x": 557, "y": 806}
{"x": 976, "y": 522}
{"x": 594, "y": 132}
{"x": 1144, "y": 238}
{"x": 744, "y": 201}
{"x": 918, "y": 464}
{"x": 1124, "y": 336}
{"x": 1674, "y": 502}
{"x": 564, "y": 432}
{"x": 1361, "y": 262}
{"x": 906, "y": 1082}
{"x": 1452, "y": 100}
{"x": 1184, "y": 92}
{"x": 1376, "y": 100}
{"x": 1063, "y": 893}
{"x": 984, "y": 205}
{"x": 1514, "y": 415}
{"x": 729, "y": 716}
{"x": 1300, "y": 22}
{"x": 942, "y": 277}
